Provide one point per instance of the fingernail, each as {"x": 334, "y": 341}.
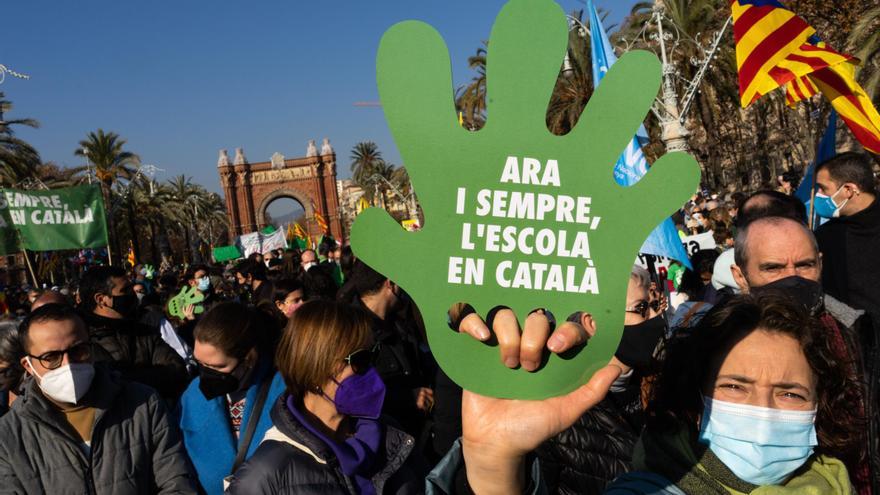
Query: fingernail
{"x": 482, "y": 333}
{"x": 555, "y": 343}
{"x": 530, "y": 365}
{"x": 511, "y": 362}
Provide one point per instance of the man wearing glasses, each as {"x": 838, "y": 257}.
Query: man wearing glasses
{"x": 79, "y": 428}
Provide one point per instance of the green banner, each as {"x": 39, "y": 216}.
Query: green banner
{"x": 51, "y": 220}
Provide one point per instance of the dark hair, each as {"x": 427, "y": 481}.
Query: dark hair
{"x": 691, "y": 358}
{"x": 850, "y": 167}
{"x": 327, "y": 245}
{"x": 364, "y": 280}
{"x": 48, "y": 312}
{"x": 317, "y": 339}
{"x": 346, "y": 261}
{"x": 691, "y": 280}
{"x": 98, "y": 280}
{"x": 11, "y": 353}
{"x": 191, "y": 272}
{"x": 769, "y": 203}
{"x": 283, "y": 287}
{"x": 253, "y": 268}
{"x": 319, "y": 284}
{"x": 235, "y": 329}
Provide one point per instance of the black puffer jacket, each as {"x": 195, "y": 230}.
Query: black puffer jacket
{"x": 592, "y": 452}
{"x": 135, "y": 447}
{"x": 138, "y": 352}
{"x": 292, "y": 460}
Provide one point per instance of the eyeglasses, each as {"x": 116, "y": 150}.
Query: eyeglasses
{"x": 362, "y": 359}
{"x": 77, "y": 353}
{"x": 640, "y": 309}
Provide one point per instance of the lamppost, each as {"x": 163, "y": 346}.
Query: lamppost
{"x": 409, "y": 199}
{"x": 669, "y": 113}
{"x": 6, "y": 70}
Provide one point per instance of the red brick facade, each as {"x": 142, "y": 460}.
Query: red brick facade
{"x": 250, "y": 187}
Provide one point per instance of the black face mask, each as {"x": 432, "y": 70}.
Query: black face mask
{"x": 806, "y": 292}
{"x": 638, "y": 342}
{"x": 215, "y": 383}
{"x": 126, "y": 304}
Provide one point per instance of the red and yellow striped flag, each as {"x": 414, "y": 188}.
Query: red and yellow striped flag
{"x": 838, "y": 84}
{"x": 775, "y": 47}
{"x": 766, "y": 33}
{"x": 810, "y": 57}
{"x": 319, "y": 219}
{"x": 300, "y": 232}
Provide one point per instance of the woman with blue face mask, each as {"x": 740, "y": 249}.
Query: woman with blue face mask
{"x": 327, "y": 435}
{"x": 752, "y": 400}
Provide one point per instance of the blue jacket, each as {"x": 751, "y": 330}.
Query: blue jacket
{"x": 207, "y": 432}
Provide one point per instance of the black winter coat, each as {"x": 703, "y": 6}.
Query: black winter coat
{"x": 138, "y": 352}
{"x": 135, "y": 447}
{"x": 292, "y": 460}
{"x": 591, "y": 453}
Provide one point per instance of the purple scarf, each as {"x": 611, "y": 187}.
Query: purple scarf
{"x": 357, "y": 454}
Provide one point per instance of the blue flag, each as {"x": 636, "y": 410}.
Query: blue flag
{"x": 632, "y": 165}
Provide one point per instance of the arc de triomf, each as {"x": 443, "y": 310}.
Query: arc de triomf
{"x": 250, "y": 187}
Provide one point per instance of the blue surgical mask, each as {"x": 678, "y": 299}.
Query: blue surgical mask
{"x": 826, "y": 207}
{"x": 759, "y": 445}
{"x": 204, "y": 284}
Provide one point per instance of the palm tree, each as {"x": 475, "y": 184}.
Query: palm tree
{"x": 104, "y": 152}
{"x": 365, "y": 157}
{"x": 865, "y": 35}
{"x": 471, "y": 98}
{"x": 17, "y": 157}
{"x": 186, "y": 198}
{"x": 575, "y": 84}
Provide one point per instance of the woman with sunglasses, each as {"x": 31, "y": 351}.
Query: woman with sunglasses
{"x": 225, "y": 411}
{"x": 328, "y": 436}
{"x": 598, "y": 447}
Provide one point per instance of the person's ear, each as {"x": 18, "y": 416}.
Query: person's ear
{"x": 740, "y": 277}
{"x": 251, "y": 357}
{"x": 100, "y": 299}
{"x": 819, "y": 263}
{"x": 26, "y": 364}
{"x": 279, "y": 305}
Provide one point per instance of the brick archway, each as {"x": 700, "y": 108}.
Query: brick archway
{"x": 250, "y": 187}
{"x": 283, "y": 193}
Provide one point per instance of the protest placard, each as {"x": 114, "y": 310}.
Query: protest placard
{"x": 54, "y": 219}
{"x": 515, "y": 215}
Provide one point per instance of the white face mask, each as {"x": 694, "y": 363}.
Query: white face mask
{"x": 67, "y": 384}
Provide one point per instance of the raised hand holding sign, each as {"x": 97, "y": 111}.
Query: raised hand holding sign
{"x": 515, "y": 215}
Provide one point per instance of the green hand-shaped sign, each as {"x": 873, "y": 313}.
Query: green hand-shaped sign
{"x": 515, "y": 215}
{"x": 187, "y": 296}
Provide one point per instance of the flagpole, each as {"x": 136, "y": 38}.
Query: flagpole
{"x": 109, "y": 255}
{"x": 27, "y": 260}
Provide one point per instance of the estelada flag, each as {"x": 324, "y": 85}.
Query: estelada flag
{"x": 775, "y": 47}
{"x": 766, "y": 33}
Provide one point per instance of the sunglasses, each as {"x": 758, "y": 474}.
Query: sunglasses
{"x": 78, "y": 353}
{"x": 362, "y": 359}
{"x": 640, "y": 309}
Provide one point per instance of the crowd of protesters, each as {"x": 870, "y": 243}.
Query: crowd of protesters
{"x": 756, "y": 371}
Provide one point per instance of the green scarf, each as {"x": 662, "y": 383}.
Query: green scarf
{"x": 675, "y": 454}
